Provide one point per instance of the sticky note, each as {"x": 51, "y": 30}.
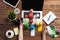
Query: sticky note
{"x": 16, "y": 30}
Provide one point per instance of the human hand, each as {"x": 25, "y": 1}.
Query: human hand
{"x": 45, "y": 31}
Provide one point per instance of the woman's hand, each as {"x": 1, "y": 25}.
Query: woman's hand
{"x": 44, "y": 33}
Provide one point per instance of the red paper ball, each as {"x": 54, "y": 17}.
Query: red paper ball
{"x": 31, "y": 21}
{"x": 31, "y": 13}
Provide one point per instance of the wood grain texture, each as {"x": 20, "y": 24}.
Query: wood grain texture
{"x": 54, "y": 6}
{"x": 5, "y": 24}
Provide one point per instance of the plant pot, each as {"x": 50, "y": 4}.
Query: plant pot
{"x": 12, "y": 20}
{"x": 11, "y": 16}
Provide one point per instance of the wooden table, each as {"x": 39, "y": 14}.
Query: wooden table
{"x": 54, "y": 6}
{"x": 5, "y": 24}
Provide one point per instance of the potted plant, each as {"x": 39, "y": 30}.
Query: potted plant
{"x": 11, "y": 16}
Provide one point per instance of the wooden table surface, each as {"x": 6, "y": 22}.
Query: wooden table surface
{"x": 5, "y": 24}
{"x": 54, "y": 6}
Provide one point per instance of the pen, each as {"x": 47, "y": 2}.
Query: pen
{"x": 49, "y": 17}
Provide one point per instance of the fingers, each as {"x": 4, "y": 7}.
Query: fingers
{"x": 45, "y": 30}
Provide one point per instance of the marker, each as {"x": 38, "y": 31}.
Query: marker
{"x": 21, "y": 32}
{"x": 49, "y": 17}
